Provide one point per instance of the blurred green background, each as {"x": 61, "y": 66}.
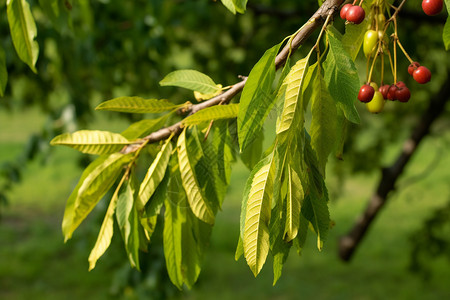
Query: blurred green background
{"x": 104, "y": 49}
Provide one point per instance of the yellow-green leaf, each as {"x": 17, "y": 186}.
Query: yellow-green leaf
{"x": 197, "y": 202}
{"x": 192, "y": 80}
{"x": 23, "y": 31}
{"x": 294, "y": 83}
{"x": 212, "y": 113}
{"x": 137, "y": 105}
{"x": 105, "y": 235}
{"x": 294, "y": 198}
{"x": 155, "y": 175}
{"x": 92, "y": 141}
{"x": 256, "y": 231}
{"x": 94, "y": 183}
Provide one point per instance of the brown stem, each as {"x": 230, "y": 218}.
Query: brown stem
{"x": 329, "y": 7}
{"x": 390, "y": 175}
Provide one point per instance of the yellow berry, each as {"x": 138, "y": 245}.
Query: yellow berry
{"x": 377, "y": 104}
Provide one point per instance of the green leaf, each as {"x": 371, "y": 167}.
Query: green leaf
{"x": 155, "y": 175}
{"x": 256, "y": 100}
{"x": 239, "y": 249}
{"x": 192, "y": 80}
{"x": 251, "y": 155}
{"x": 342, "y": 78}
{"x": 173, "y": 223}
{"x": 3, "y": 72}
{"x": 257, "y": 217}
{"x": 23, "y": 31}
{"x": 279, "y": 247}
{"x": 294, "y": 198}
{"x": 235, "y": 5}
{"x": 144, "y": 127}
{"x": 94, "y": 183}
{"x": 293, "y": 82}
{"x": 199, "y": 205}
{"x": 446, "y": 34}
{"x": 128, "y": 221}
{"x": 105, "y": 235}
{"x": 229, "y": 5}
{"x": 217, "y": 112}
{"x": 323, "y": 123}
{"x": 315, "y": 209}
{"x": 92, "y": 141}
{"x": 137, "y": 105}
{"x": 353, "y": 38}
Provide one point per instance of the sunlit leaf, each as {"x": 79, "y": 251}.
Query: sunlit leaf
{"x": 212, "y": 113}
{"x": 96, "y": 180}
{"x": 105, "y": 235}
{"x": 154, "y": 175}
{"x": 293, "y": 82}
{"x": 192, "y": 80}
{"x": 256, "y": 99}
{"x": 23, "y": 31}
{"x": 137, "y": 105}
{"x": 92, "y": 141}
{"x": 199, "y": 205}
{"x": 257, "y": 217}
{"x": 293, "y": 203}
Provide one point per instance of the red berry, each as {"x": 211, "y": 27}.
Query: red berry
{"x": 422, "y": 75}
{"x": 355, "y": 14}
{"x": 400, "y": 84}
{"x": 366, "y": 93}
{"x": 391, "y": 95}
{"x": 344, "y": 9}
{"x": 384, "y": 90}
{"x": 403, "y": 94}
{"x": 412, "y": 67}
{"x": 432, "y": 7}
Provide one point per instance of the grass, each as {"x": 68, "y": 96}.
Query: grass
{"x": 36, "y": 264}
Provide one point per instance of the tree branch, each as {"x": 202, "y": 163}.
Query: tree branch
{"x": 349, "y": 242}
{"x": 327, "y": 8}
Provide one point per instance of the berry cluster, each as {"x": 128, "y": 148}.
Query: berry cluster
{"x": 377, "y": 45}
{"x": 352, "y": 13}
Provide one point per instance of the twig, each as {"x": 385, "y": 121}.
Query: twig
{"x": 329, "y": 7}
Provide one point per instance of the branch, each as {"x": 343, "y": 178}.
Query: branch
{"x": 329, "y": 7}
{"x": 349, "y": 242}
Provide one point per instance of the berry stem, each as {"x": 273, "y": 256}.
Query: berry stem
{"x": 404, "y": 51}
{"x": 369, "y": 79}
{"x": 316, "y": 45}
{"x": 395, "y": 50}
{"x": 382, "y": 70}
{"x": 390, "y": 62}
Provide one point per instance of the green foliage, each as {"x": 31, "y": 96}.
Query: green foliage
{"x": 341, "y": 77}
{"x": 285, "y": 195}
{"x": 192, "y": 80}
{"x": 23, "y": 31}
{"x": 212, "y": 113}
{"x": 235, "y": 5}
{"x": 256, "y": 102}
{"x": 92, "y": 141}
{"x": 137, "y": 105}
